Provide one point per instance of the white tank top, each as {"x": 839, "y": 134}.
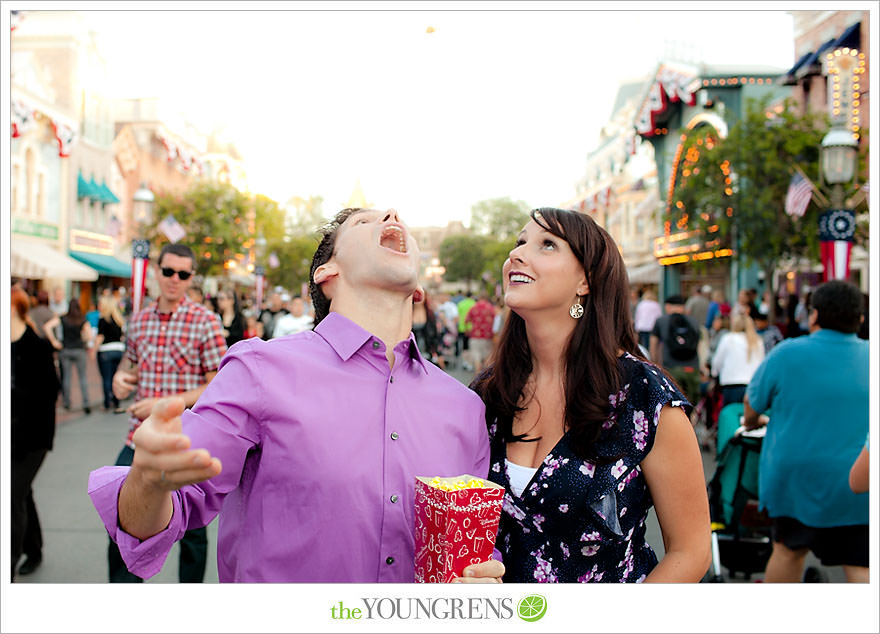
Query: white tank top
{"x": 519, "y": 476}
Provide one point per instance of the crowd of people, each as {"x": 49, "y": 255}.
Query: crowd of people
{"x": 582, "y": 405}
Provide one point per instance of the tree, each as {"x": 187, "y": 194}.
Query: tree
{"x": 294, "y": 253}
{"x": 220, "y": 222}
{"x": 500, "y": 218}
{"x": 735, "y": 188}
{"x": 464, "y": 257}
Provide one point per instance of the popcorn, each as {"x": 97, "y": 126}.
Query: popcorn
{"x": 456, "y": 523}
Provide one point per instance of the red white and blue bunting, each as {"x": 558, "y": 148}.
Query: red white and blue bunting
{"x": 187, "y": 160}
{"x": 670, "y": 85}
{"x": 25, "y": 116}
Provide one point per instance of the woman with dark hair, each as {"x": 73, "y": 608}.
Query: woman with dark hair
{"x": 77, "y": 334}
{"x": 32, "y": 399}
{"x": 231, "y": 316}
{"x": 586, "y": 435}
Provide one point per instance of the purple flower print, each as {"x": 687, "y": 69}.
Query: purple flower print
{"x": 538, "y": 519}
{"x": 657, "y": 413}
{"x": 595, "y": 536}
{"x": 618, "y": 469}
{"x": 512, "y": 509}
{"x": 496, "y": 467}
{"x": 565, "y": 552}
{"x": 563, "y": 508}
{"x": 640, "y": 430}
{"x": 588, "y": 469}
{"x": 544, "y": 572}
{"x": 591, "y": 575}
{"x": 589, "y": 551}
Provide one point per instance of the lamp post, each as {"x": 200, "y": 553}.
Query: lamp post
{"x": 837, "y": 224}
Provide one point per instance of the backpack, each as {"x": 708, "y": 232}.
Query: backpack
{"x": 683, "y": 338}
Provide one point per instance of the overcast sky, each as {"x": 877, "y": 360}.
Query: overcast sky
{"x": 491, "y": 103}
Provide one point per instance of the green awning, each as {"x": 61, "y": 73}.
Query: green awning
{"x": 103, "y": 264}
{"x": 96, "y": 194}
{"x": 107, "y": 194}
{"x": 83, "y": 189}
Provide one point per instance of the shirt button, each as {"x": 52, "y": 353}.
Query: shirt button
{"x": 376, "y": 345}
{"x": 392, "y": 379}
{"x": 389, "y": 560}
{"x": 394, "y": 435}
{"x": 394, "y": 499}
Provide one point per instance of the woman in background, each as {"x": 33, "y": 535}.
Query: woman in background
{"x": 32, "y": 399}
{"x": 230, "y": 315}
{"x": 74, "y": 345}
{"x": 110, "y": 347}
{"x": 738, "y": 355}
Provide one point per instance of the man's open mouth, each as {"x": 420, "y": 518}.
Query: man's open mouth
{"x": 392, "y": 237}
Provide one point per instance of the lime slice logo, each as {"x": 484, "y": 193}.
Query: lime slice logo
{"x": 532, "y": 607}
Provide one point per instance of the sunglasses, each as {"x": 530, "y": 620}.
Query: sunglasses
{"x": 167, "y": 271}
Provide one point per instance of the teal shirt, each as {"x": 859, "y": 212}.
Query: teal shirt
{"x": 817, "y": 386}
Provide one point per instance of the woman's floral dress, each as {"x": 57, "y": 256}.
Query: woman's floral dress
{"x": 580, "y": 522}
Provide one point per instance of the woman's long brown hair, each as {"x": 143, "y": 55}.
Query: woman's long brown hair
{"x": 592, "y": 372}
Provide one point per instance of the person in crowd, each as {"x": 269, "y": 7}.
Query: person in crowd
{"x": 58, "y": 303}
{"x": 293, "y": 321}
{"x": 462, "y": 347}
{"x": 76, "y": 340}
{"x": 863, "y": 329}
{"x": 33, "y": 392}
{"x": 697, "y": 305}
{"x": 270, "y": 314}
{"x": 173, "y": 348}
{"x": 308, "y": 445}
{"x": 738, "y": 355}
{"x": 675, "y": 342}
{"x": 195, "y": 294}
{"x": 648, "y": 310}
{"x": 92, "y": 316}
{"x": 768, "y": 332}
{"x": 479, "y": 321}
{"x": 253, "y": 327}
{"x": 816, "y": 389}
{"x": 717, "y": 305}
{"x": 585, "y": 434}
{"x": 447, "y": 313}
{"x": 231, "y": 317}
{"x": 802, "y": 313}
{"x": 110, "y": 347}
{"x": 40, "y": 315}
{"x": 426, "y": 331}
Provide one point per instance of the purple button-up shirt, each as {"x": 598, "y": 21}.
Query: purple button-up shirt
{"x": 320, "y": 443}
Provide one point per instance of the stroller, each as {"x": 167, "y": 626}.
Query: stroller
{"x": 740, "y": 532}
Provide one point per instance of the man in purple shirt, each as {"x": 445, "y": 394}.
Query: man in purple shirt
{"x": 310, "y": 444}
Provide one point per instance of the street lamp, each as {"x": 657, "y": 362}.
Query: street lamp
{"x": 143, "y": 204}
{"x": 837, "y": 224}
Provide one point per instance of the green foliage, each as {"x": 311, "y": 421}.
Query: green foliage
{"x": 749, "y": 173}
{"x": 500, "y": 218}
{"x": 464, "y": 257}
{"x": 495, "y": 252}
{"x": 294, "y": 252}
{"x": 220, "y": 222}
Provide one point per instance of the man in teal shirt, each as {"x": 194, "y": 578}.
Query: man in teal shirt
{"x": 817, "y": 387}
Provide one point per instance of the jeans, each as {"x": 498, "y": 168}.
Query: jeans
{"x": 107, "y": 363}
{"x": 69, "y": 358}
{"x": 193, "y": 547}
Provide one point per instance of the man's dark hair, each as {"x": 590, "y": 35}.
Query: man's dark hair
{"x": 674, "y": 300}
{"x": 42, "y": 298}
{"x": 322, "y": 255}
{"x": 839, "y": 305}
{"x": 180, "y": 250}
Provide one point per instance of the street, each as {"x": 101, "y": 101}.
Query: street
{"x": 75, "y": 542}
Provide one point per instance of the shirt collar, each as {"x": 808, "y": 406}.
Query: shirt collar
{"x": 346, "y": 338}
{"x": 829, "y": 334}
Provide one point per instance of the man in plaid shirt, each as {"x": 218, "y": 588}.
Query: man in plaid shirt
{"x": 173, "y": 347}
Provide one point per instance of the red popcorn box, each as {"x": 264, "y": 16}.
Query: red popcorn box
{"x": 456, "y": 525}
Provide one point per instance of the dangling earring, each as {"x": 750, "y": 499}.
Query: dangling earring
{"x": 576, "y": 311}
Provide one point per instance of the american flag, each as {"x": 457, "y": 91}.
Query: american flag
{"x": 800, "y": 192}
{"x": 172, "y": 229}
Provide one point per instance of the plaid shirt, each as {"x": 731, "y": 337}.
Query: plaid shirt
{"x": 173, "y": 351}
